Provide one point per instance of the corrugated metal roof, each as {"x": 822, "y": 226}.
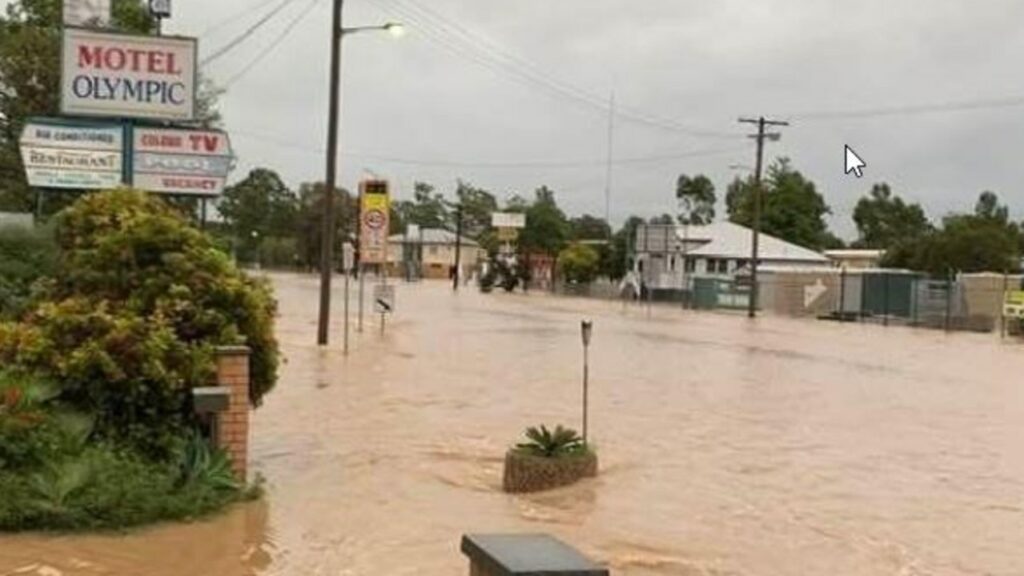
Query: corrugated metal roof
{"x": 728, "y": 240}
{"x": 432, "y": 236}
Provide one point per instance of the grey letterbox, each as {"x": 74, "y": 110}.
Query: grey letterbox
{"x": 210, "y": 399}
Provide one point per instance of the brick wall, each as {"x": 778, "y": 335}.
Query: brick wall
{"x": 233, "y": 428}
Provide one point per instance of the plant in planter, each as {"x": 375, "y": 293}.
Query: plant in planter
{"x": 548, "y": 459}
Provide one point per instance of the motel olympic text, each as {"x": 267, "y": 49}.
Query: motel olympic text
{"x": 129, "y": 60}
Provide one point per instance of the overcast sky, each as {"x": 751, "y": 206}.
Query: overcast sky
{"x": 698, "y": 64}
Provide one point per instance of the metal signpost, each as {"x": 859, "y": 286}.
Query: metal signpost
{"x": 348, "y": 257}
{"x": 383, "y": 302}
{"x": 374, "y": 223}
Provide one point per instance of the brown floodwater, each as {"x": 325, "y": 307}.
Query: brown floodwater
{"x": 728, "y": 447}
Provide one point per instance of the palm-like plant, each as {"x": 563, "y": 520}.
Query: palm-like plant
{"x": 550, "y": 444}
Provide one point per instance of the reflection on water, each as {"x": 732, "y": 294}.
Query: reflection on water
{"x": 728, "y": 447}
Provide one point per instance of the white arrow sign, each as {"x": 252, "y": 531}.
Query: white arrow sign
{"x": 854, "y": 163}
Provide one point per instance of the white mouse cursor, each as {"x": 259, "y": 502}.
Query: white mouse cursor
{"x": 854, "y": 163}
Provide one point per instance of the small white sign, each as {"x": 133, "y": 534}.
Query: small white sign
{"x": 348, "y": 256}
{"x": 87, "y": 13}
{"x": 160, "y": 8}
{"x": 70, "y": 156}
{"x": 181, "y": 161}
{"x": 106, "y": 74}
{"x": 508, "y": 220}
{"x": 383, "y": 299}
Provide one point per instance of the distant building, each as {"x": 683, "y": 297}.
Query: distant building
{"x": 431, "y": 254}
{"x": 856, "y": 259}
{"x": 670, "y": 257}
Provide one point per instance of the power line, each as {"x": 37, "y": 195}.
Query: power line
{"x": 234, "y": 18}
{"x": 498, "y": 165}
{"x": 244, "y": 35}
{"x": 273, "y": 45}
{"x": 469, "y": 45}
{"x": 913, "y": 109}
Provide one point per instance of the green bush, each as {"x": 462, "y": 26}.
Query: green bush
{"x": 579, "y": 263}
{"x": 26, "y": 255}
{"x": 552, "y": 444}
{"x": 129, "y": 322}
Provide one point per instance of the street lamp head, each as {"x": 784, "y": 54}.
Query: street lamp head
{"x": 396, "y": 29}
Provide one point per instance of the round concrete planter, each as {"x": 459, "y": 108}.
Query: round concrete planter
{"x": 529, "y": 473}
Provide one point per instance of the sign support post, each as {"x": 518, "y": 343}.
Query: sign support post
{"x": 362, "y": 288}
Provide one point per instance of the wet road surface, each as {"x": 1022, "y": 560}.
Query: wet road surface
{"x": 728, "y": 447}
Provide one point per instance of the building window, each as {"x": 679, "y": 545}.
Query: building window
{"x": 711, "y": 265}
{"x": 723, "y": 266}
{"x": 691, "y": 265}
{"x": 672, "y": 264}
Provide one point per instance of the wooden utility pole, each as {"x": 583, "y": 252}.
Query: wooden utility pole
{"x": 458, "y": 247}
{"x": 761, "y": 135}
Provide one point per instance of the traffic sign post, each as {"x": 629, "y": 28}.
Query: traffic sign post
{"x": 383, "y": 303}
{"x": 348, "y": 260}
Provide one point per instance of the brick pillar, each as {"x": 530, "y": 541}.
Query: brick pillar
{"x": 233, "y": 425}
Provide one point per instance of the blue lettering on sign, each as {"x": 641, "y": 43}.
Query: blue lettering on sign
{"x": 80, "y": 88}
{"x": 176, "y": 93}
{"x": 127, "y": 90}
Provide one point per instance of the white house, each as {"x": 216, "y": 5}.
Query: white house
{"x": 433, "y": 249}
{"x": 669, "y": 256}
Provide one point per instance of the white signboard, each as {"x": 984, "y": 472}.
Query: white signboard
{"x": 128, "y": 76}
{"x": 69, "y": 156}
{"x": 181, "y": 161}
{"x": 87, "y": 13}
{"x": 508, "y": 220}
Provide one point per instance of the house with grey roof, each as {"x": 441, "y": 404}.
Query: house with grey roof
{"x": 669, "y": 257}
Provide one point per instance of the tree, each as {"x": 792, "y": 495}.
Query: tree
{"x": 477, "y": 207}
{"x": 985, "y": 241}
{"x": 310, "y": 226}
{"x": 547, "y": 229}
{"x": 884, "y": 220}
{"x": 792, "y": 207}
{"x": 663, "y": 220}
{"x": 696, "y": 199}
{"x": 618, "y": 260}
{"x": 30, "y": 41}
{"x": 258, "y": 207}
{"x": 587, "y": 227}
{"x": 579, "y": 263}
{"x": 427, "y": 209}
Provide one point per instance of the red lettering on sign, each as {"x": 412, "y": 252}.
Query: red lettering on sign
{"x": 131, "y": 59}
{"x": 204, "y": 142}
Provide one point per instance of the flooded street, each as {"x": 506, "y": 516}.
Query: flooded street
{"x": 778, "y": 447}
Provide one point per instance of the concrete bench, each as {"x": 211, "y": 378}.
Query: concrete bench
{"x": 525, "y": 555}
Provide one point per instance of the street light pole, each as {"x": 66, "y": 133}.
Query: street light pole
{"x": 327, "y": 236}
{"x": 338, "y": 32}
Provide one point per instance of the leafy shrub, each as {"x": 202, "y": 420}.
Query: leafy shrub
{"x": 579, "y": 263}
{"x": 129, "y": 323}
{"x": 552, "y": 444}
{"x": 103, "y": 488}
{"x": 26, "y": 255}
